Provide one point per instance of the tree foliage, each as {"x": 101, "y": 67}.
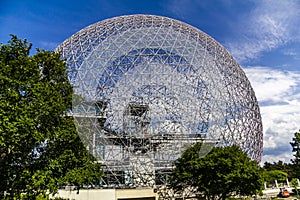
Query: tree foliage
{"x": 39, "y": 145}
{"x": 296, "y": 149}
{"x": 218, "y": 174}
{"x": 273, "y": 175}
{"x": 281, "y": 166}
{"x": 295, "y": 185}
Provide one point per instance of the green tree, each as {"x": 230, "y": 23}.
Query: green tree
{"x": 296, "y": 149}
{"x": 39, "y": 145}
{"x": 295, "y": 185}
{"x": 218, "y": 174}
{"x": 281, "y": 166}
{"x": 275, "y": 175}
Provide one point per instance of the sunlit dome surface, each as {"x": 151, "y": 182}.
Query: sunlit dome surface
{"x": 146, "y": 87}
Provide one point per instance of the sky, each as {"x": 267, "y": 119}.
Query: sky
{"x": 262, "y": 35}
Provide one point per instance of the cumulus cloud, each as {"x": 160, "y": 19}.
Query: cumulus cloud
{"x": 269, "y": 25}
{"x": 274, "y": 86}
{"x": 277, "y": 92}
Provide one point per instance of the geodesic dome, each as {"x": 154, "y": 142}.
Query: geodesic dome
{"x": 146, "y": 87}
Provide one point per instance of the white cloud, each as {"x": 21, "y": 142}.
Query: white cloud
{"x": 277, "y": 92}
{"x": 269, "y": 25}
{"x": 290, "y": 52}
{"x": 272, "y": 159}
{"x": 275, "y": 86}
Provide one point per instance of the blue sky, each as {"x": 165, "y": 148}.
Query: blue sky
{"x": 262, "y": 35}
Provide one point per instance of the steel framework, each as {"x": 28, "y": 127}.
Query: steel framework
{"x": 146, "y": 87}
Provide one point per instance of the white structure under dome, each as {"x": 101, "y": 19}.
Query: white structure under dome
{"x": 146, "y": 87}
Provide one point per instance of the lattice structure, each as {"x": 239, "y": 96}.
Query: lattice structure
{"x": 146, "y": 87}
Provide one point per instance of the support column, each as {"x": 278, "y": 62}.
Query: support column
{"x": 265, "y": 184}
{"x": 276, "y": 184}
